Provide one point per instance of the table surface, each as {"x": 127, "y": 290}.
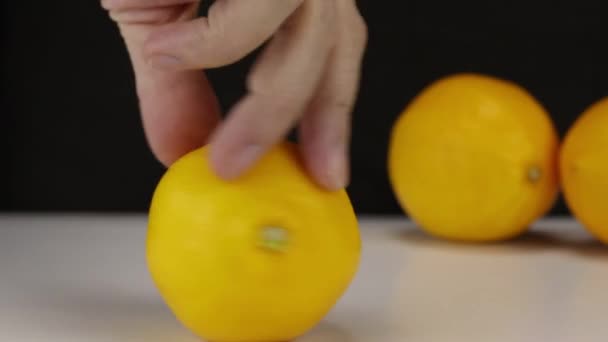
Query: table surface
{"x": 83, "y": 278}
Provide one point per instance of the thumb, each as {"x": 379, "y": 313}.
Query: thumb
{"x": 232, "y": 29}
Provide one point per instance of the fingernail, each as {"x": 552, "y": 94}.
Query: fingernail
{"x": 164, "y": 62}
{"x": 241, "y": 160}
{"x": 337, "y": 170}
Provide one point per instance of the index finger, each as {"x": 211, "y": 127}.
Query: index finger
{"x": 178, "y": 109}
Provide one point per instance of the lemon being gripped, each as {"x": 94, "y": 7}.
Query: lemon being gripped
{"x": 260, "y": 259}
{"x": 473, "y": 158}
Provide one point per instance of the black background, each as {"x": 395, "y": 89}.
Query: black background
{"x": 70, "y": 133}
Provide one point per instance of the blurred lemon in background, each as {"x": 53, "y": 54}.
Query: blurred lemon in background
{"x": 263, "y": 258}
{"x": 584, "y": 169}
{"x": 474, "y": 158}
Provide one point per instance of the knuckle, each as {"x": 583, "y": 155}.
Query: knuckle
{"x": 205, "y": 47}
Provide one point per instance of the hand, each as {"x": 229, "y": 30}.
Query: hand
{"x": 307, "y": 75}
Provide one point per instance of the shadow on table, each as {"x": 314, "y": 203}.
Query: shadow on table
{"x": 112, "y": 316}
{"x": 327, "y": 332}
{"x": 544, "y": 238}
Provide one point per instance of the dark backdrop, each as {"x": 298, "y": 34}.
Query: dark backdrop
{"x": 70, "y": 134}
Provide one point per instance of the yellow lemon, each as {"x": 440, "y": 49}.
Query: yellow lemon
{"x": 473, "y": 158}
{"x": 584, "y": 169}
{"x": 263, "y": 258}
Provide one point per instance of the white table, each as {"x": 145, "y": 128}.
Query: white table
{"x": 83, "y": 278}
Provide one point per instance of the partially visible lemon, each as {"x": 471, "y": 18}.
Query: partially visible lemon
{"x": 473, "y": 158}
{"x": 584, "y": 169}
{"x": 263, "y": 258}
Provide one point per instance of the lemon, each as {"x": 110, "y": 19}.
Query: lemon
{"x": 584, "y": 169}
{"x": 263, "y": 258}
{"x": 473, "y": 158}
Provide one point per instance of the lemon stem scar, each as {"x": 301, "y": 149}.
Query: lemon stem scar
{"x": 534, "y": 174}
{"x": 275, "y": 239}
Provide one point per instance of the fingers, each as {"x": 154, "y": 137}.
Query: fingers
{"x": 280, "y": 88}
{"x": 179, "y": 109}
{"x": 325, "y": 128}
{"x": 232, "y": 29}
{"x": 119, "y": 5}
